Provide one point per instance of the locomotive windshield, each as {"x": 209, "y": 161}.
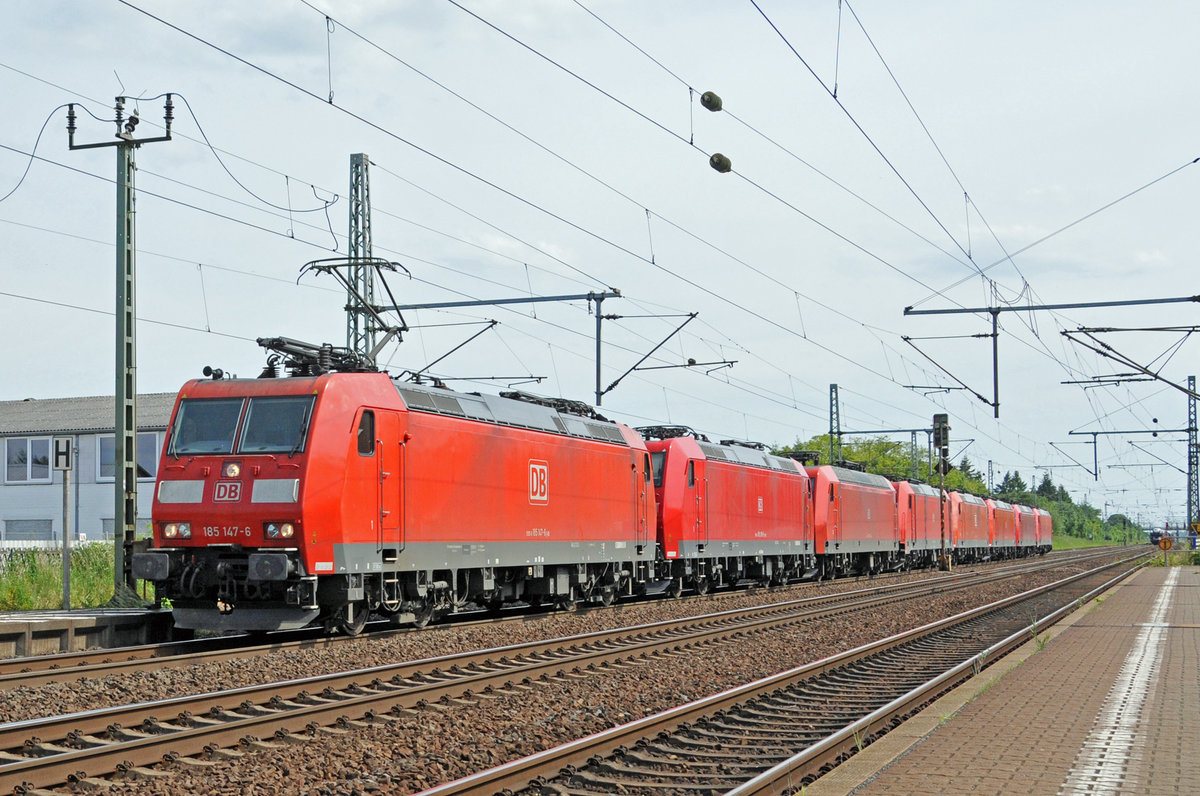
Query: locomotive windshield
{"x": 658, "y": 460}
{"x": 206, "y": 425}
{"x": 275, "y": 424}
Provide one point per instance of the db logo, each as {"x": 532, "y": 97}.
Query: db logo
{"x": 539, "y": 481}
{"x": 228, "y": 491}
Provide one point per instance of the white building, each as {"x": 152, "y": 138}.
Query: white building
{"x": 31, "y": 492}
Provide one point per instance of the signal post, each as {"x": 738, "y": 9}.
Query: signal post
{"x": 941, "y": 441}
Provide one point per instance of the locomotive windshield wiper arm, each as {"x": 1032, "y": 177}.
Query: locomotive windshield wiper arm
{"x": 303, "y": 434}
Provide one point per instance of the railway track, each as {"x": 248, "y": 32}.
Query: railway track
{"x": 76, "y": 747}
{"x": 64, "y": 667}
{"x": 780, "y": 733}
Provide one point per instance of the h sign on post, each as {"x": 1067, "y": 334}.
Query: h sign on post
{"x": 62, "y": 452}
{"x": 64, "y": 448}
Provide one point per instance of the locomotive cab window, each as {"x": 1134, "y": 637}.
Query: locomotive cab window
{"x": 206, "y": 425}
{"x": 277, "y": 424}
{"x": 658, "y": 460}
{"x": 366, "y": 434}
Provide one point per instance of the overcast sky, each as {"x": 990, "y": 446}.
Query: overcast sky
{"x": 548, "y": 147}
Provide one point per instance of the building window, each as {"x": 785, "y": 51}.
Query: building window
{"x": 147, "y": 457}
{"x": 28, "y": 530}
{"x": 27, "y": 460}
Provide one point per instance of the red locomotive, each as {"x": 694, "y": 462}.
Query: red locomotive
{"x": 281, "y": 502}
{"x": 921, "y": 517}
{"x": 1045, "y": 530}
{"x": 970, "y": 526}
{"x": 324, "y": 496}
{"x": 728, "y": 513}
{"x": 1026, "y": 528}
{"x": 854, "y": 521}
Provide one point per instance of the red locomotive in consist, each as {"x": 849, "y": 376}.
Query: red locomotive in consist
{"x": 970, "y": 527}
{"x": 920, "y": 513}
{"x": 854, "y": 521}
{"x": 728, "y": 513}
{"x": 281, "y": 502}
{"x": 328, "y": 495}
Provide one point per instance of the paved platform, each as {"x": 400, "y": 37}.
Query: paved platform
{"x": 25, "y": 633}
{"x": 1108, "y": 703}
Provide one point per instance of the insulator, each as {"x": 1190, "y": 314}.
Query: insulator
{"x": 720, "y": 163}
{"x": 711, "y": 101}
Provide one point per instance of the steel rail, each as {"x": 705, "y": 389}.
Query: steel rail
{"x": 519, "y": 774}
{"x": 59, "y": 667}
{"x": 132, "y": 736}
{"x": 783, "y": 776}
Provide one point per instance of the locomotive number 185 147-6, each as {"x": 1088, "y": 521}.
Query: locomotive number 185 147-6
{"x": 226, "y": 531}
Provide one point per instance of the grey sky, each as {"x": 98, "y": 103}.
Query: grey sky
{"x": 1045, "y": 113}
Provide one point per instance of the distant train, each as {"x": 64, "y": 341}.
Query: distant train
{"x": 320, "y": 498}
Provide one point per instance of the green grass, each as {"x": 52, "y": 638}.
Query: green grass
{"x": 1073, "y": 542}
{"x": 1182, "y": 558}
{"x": 31, "y": 580}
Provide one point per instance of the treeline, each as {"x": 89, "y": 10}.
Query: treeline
{"x": 894, "y": 459}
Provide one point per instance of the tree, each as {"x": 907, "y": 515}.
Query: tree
{"x": 969, "y": 472}
{"x": 1046, "y": 488}
{"x": 1012, "y": 485}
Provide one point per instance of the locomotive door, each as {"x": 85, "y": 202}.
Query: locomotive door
{"x": 834, "y": 528}
{"x": 641, "y": 486}
{"x": 390, "y": 480}
{"x": 696, "y": 484}
{"x": 916, "y": 524}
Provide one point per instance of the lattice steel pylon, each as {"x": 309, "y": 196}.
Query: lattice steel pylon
{"x": 360, "y": 326}
{"x": 835, "y": 426}
{"x": 1193, "y": 491}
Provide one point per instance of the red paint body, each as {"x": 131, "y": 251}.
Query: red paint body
{"x": 723, "y": 505}
{"x": 919, "y": 517}
{"x": 970, "y": 523}
{"x": 1002, "y": 519}
{"x": 850, "y": 516}
{"x": 432, "y": 479}
{"x": 1026, "y": 526}
{"x": 1045, "y": 529}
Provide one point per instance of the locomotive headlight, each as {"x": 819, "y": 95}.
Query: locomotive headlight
{"x": 279, "y": 530}
{"x": 181, "y": 530}
{"x": 231, "y": 470}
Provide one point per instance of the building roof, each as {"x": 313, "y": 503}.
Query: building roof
{"x": 92, "y": 414}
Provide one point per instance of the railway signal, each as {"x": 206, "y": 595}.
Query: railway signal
{"x": 941, "y": 441}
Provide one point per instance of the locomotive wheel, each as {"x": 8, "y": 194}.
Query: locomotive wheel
{"x": 422, "y": 615}
{"x": 675, "y": 589}
{"x": 703, "y": 586}
{"x": 567, "y": 602}
{"x": 608, "y": 596}
{"x": 358, "y": 612}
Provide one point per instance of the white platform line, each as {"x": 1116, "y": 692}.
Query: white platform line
{"x": 1102, "y": 764}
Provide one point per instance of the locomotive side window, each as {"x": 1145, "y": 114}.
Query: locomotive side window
{"x": 658, "y": 460}
{"x": 277, "y": 424}
{"x": 366, "y": 434}
{"x": 691, "y": 473}
{"x": 206, "y": 426}
{"x": 646, "y": 467}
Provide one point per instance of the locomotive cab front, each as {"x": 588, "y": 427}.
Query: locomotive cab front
{"x": 227, "y": 509}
